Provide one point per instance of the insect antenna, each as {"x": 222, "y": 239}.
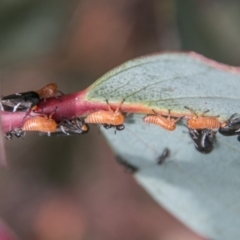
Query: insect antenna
{"x": 191, "y": 110}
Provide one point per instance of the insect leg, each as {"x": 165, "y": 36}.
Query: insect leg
{"x": 63, "y": 130}
{"x": 154, "y": 112}
{"x": 54, "y": 111}
{"x": 60, "y": 92}
{"x": 169, "y": 116}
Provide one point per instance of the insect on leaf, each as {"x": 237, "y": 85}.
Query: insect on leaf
{"x": 201, "y": 190}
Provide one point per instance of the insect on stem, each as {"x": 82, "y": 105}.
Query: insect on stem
{"x": 108, "y": 118}
{"x": 166, "y": 122}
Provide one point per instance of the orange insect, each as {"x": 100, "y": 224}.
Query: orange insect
{"x": 166, "y": 122}
{"x": 48, "y": 91}
{"x": 40, "y": 123}
{"x": 202, "y": 122}
{"x": 110, "y": 117}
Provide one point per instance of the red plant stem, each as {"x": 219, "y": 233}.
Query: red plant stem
{"x": 70, "y": 106}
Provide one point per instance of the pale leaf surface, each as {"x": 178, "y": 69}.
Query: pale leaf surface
{"x": 201, "y": 190}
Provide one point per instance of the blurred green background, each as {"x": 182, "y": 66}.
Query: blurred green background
{"x": 71, "y": 187}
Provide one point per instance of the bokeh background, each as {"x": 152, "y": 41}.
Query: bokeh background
{"x": 71, "y": 187}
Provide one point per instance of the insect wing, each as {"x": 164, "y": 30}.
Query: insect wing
{"x": 232, "y": 126}
{"x": 203, "y": 139}
{"x": 207, "y": 141}
{"x": 74, "y": 126}
{"x": 194, "y": 134}
{"x": 19, "y": 102}
{"x": 234, "y": 119}
{"x": 13, "y": 105}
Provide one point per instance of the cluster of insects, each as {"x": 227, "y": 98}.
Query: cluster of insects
{"x": 201, "y": 128}
{"x": 27, "y": 102}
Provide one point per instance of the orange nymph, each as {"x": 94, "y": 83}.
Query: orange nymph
{"x": 202, "y": 122}
{"x": 40, "y": 123}
{"x": 50, "y": 90}
{"x": 109, "y": 117}
{"x": 167, "y": 123}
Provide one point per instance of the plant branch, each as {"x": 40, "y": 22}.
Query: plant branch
{"x": 68, "y": 106}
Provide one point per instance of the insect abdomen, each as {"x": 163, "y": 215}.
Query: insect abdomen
{"x": 203, "y": 122}
{"x": 40, "y": 124}
{"x": 104, "y": 117}
{"x": 96, "y": 117}
{"x": 160, "y": 121}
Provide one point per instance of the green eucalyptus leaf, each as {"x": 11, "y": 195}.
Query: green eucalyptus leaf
{"x": 172, "y": 81}
{"x": 201, "y": 190}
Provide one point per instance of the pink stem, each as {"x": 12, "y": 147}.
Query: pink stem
{"x": 69, "y": 106}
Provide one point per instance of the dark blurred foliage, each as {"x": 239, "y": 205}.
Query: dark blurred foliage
{"x": 210, "y": 28}
{"x": 72, "y": 187}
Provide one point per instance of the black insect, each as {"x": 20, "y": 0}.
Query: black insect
{"x": 128, "y": 166}
{"x": 17, "y": 132}
{"x": 231, "y": 126}
{"x": 19, "y": 102}
{"x": 69, "y": 127}
{"x": 163, "y": 156}
{"x": 203, "y": 139}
